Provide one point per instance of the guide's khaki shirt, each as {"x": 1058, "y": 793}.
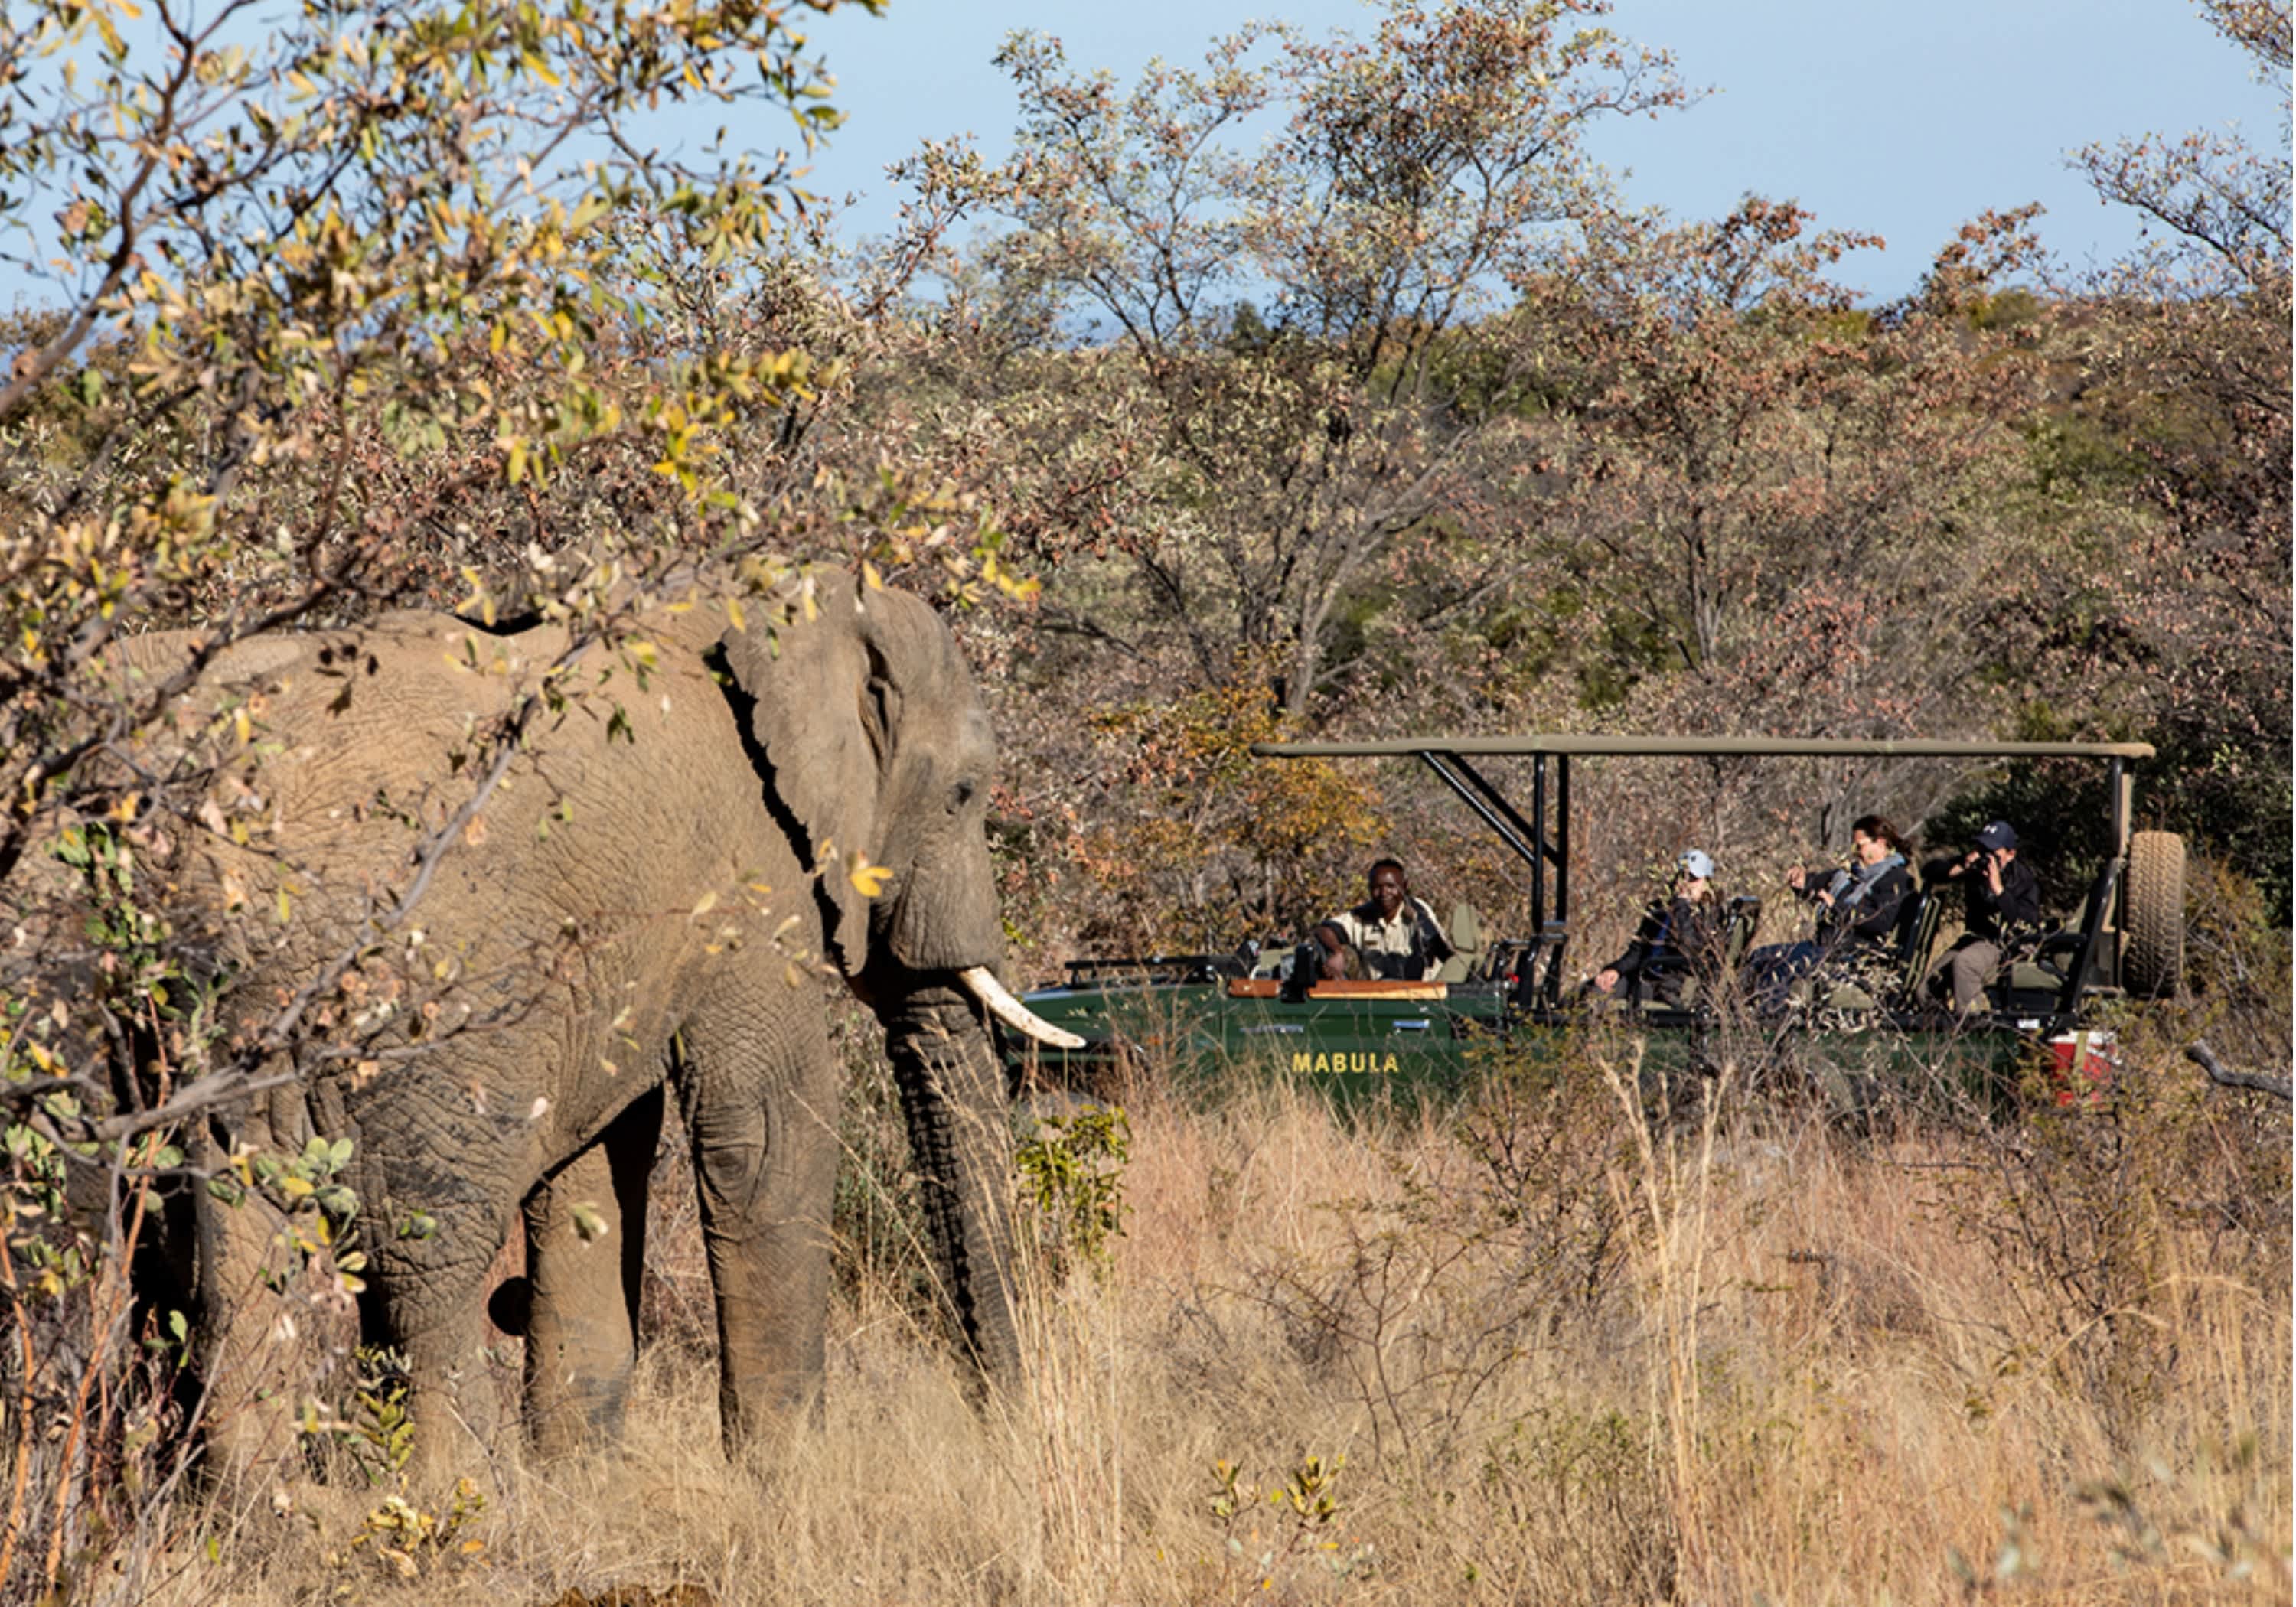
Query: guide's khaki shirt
{"x": 1390, "y": 949}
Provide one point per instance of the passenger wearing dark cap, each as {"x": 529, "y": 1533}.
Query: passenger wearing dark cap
{"x": 2003, "y": 901}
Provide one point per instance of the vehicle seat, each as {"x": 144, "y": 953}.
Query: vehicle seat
{"x": 1467, "y": 936}
{"x": 1890, "y": 979}
{"x": 1307, "y": 965}
{"x": 2036, "y": 982}
{"x": 2045, "y": 969}
{"x": 1917, "y": 931}
{"x": 1741, "y": 918}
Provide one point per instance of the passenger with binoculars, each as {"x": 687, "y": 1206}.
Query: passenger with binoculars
{"x": 2002, "y": 898}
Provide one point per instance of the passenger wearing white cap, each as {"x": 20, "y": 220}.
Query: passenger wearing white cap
{"x": 1680, "y": 938}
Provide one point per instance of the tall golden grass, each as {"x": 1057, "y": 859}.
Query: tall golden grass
{"x": 1557, "y": 1347}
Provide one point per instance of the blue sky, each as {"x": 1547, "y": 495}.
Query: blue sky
{"x": 1903, "y": 120}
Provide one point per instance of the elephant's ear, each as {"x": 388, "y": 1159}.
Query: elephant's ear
{"x": 817, "y": 726}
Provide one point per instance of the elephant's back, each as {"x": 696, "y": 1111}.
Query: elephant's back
{"x": 347, "y": 750}
{"x": 341, "y": 769}
{"x": 566, "y": 846}
{"x": 335, "y": 759}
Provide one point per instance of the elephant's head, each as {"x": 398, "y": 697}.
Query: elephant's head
{"x": 872, "y": 738}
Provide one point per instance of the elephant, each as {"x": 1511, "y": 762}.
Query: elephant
{"x": 502, "y": 923}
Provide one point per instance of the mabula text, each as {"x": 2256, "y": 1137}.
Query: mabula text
{"x": 1304, "y": 1063}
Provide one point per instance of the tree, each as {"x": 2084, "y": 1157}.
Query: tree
{"x": 2223, "y": 203}
{"x": 2188, "y": 381}
{"x": 369, "y": 238}
{"x": 1219, "y": 478}
{"x": 1760, "y": 506}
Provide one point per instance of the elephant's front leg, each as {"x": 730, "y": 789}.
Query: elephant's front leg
{"x": 759, "y": 1088}
{"x": 585, "y": 1264}
{"x": 427, "y": 1299}
{"x": 439, "y": 1178}
{"x": 259, "y": 1360}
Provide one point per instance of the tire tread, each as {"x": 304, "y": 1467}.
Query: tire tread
{"x": 2152, "y": 958}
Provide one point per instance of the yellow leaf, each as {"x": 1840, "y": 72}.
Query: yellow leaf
{"x": 240, "y": 723}
{"x": 592, "y": 208}
{"x": 286, "y": 907}
{"x": 868, "y": 880}
{"x": 707, "y": 902}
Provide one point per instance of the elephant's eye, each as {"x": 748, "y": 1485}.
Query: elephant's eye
{"x": 965, "y": 791}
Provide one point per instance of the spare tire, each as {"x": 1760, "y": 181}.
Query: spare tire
{"x": 2152, "y": 949}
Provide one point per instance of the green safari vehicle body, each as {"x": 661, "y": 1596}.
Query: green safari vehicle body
{"x": 1200, "y": 1016}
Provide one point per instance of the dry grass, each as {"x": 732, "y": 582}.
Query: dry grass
{"x": 1746, "y": 1361}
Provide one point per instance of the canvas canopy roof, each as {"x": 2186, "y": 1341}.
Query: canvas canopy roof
{"x": 1700, "y": 747}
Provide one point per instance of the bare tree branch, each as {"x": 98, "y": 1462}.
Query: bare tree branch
{"x": 2205, "y": 1058}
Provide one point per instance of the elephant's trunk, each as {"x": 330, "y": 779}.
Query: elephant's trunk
{"x": 960, "y": 1133}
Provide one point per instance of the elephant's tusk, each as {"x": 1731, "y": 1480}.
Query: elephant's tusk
{"x": 1011, "y": 1011}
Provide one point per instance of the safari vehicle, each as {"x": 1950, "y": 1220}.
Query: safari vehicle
{"x": 1214, "y": 1014}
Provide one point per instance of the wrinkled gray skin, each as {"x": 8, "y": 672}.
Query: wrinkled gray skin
{"x": 575, "y": 955}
